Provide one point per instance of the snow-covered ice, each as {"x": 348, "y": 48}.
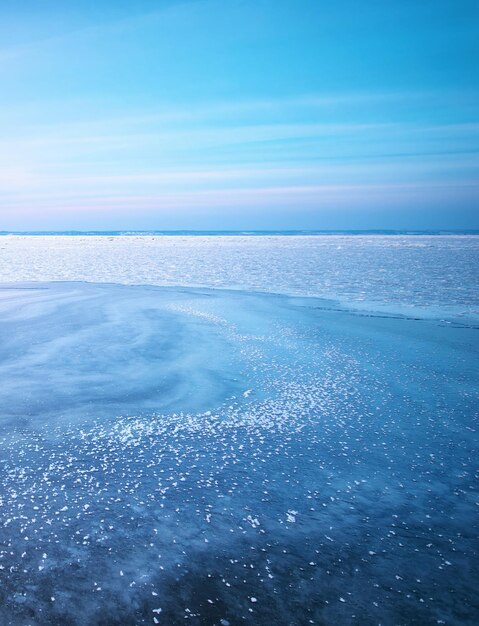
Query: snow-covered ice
{"x": 411, "y": 273}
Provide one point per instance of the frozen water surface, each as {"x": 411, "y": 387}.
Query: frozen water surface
{"x": 79, "y": 350}
{"x": 412, "y": 273}
{"x": 172, "y": 456}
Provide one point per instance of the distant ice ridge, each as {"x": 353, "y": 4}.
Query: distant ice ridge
{"x": 398, "y": 273}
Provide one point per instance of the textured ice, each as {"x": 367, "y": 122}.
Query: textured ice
{"x": 435, "y": 274}
{"x": 106, "y": 352}
{"x": 179, "y": 455}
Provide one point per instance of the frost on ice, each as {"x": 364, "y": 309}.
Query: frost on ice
{"x": 142, "y": 481}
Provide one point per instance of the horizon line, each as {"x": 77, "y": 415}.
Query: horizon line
{"x": 243, "y": 232}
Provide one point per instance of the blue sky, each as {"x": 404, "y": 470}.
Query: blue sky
{"x": 208, "y": 114}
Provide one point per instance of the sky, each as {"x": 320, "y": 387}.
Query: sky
{"x": 239, "y": 114}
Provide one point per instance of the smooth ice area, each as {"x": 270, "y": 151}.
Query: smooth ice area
{"x": 80, "y": 350}
{"x": 172, "y": 456}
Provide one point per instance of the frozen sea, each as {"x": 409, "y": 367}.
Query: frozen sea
{"x": 239, "y": 430}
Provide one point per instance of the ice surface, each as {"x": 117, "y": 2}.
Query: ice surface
{"x": 172, "y": 456}
{"x": 89, "y": 351}
{"x": 399, "y": 273}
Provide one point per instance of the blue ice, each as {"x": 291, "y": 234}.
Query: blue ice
{"x": 172, "y": 456}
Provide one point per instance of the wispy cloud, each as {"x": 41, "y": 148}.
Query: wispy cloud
{"x": 66, "y": 34}
{"x": 314, "y": 197}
